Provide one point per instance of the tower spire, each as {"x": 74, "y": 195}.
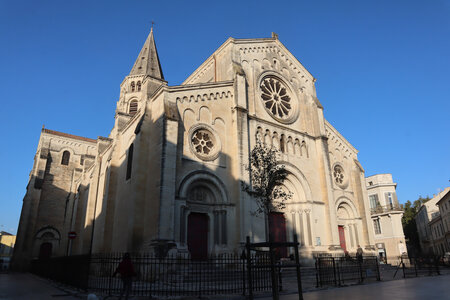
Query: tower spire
{"x": 147, "y": 62}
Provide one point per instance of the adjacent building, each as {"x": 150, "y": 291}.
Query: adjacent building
{"x": 7, "y": 242}
{"x": 432, "y": 221}
{"x": 386, "y": 215}
{"x": 169, "y": 173}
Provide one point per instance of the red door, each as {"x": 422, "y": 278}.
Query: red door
{"x": 277, "y": 231}
{"x": 45, "y": 251}
{"x": 197, "y": 236}
{"x": 342, "y": 237}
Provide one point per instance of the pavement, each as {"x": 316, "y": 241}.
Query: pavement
{"x": 28, "y": 286}
{"x": 432, "y": 287}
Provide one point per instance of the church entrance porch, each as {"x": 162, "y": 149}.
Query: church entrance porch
{"x": 197, "y": 235}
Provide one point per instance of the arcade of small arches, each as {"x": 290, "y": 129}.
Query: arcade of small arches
{"x": 285, "y": 144}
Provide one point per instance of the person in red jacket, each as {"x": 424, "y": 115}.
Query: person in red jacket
{"x": 126, "y": 271}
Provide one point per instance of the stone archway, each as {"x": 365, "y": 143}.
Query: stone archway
{"x": 348, "y": 228}
{"x": 204, "y": 216}
{"x": 46, "y": 242}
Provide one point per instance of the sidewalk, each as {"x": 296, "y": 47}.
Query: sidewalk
{"x": 29, "y": 287}
{"x": 433, "y": 287}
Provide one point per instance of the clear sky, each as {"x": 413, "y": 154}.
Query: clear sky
{"x": 382, "y": 70}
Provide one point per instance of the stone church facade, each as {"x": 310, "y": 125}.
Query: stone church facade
{"x": 170, "y": 171}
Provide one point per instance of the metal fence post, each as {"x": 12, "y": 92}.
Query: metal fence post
{"x": 317, "y": 272}
{"x": 297, "y": 267}
{"x": 415, "y": 267}
{"x": 243, "y": 258}
{"x": 378, "y": 270}
{"x": 249, "y": 269}
{"x": 275, "y": 293}
{"x": 334, "y": 270}
{"x": 360, "y": 271}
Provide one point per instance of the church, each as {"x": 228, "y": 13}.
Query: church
{"x": 169, "y": 173}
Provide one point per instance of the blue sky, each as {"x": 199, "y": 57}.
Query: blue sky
{"x": 382, "y": 70}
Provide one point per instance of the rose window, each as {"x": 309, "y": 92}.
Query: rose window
{"x": 276, "y": 98}
{"x": 202, "y": 140}
{"x": 338, "y": 174}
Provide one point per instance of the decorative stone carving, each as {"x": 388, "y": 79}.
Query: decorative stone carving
{"x": 339, "y": 176}
{"x": 204, "y": 142}
{"x": 277, "y": 99}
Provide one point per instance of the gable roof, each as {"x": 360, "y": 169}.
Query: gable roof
{"x": 62, "y": 134}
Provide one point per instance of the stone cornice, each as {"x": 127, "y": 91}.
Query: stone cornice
{"x": 207, "y": 85}
{"x": 330, "y": 127}
{"x": 67, "y": 135}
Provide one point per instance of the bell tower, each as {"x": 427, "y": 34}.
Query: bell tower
{"x": 144, "y": 79}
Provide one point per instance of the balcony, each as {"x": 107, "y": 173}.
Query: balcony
{"x": 379, "y": 209}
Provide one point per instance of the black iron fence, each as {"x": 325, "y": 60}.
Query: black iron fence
{"x": 344, "y": 270}
{"x": 160, "y": 277}
{"x": 419, "y": 266}
{"x": 71, "y": 270}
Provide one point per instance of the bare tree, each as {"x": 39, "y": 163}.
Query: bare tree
{"x": 266, "y": 180}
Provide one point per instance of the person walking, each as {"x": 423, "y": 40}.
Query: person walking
{"x": 359, "y": 254}
{"x": 126, "y": 271}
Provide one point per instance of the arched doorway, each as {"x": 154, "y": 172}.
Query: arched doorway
{"x": 46, "y": 242}
{"x": 45, "y": 250}
{"x": 197, "y": 235}
{"x": 347, "y": 225}
{"x": 204, "y": 223}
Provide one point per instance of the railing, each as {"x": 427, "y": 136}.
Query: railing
{"x": 419, "y": 266}
{"x": 338, "y": 271}
{"x": 71, "y": 270}
{"x": 385, "y": 208}
{"x": 160, "y": 277}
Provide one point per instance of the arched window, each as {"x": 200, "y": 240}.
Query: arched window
{"x": 282, "y": 144}
{"x": 65, "y": 158}
{"x": 133, "y": 87}
{"x": 129, "y": 162}
{"x": 133, "y": 107}
{"x": 138, "y": 86}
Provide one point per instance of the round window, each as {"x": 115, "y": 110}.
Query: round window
{"x": 277, "y": 99}
{"x": 204, "y": 142}
{"x": 339, "y": 176}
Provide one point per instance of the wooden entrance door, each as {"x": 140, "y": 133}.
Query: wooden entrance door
{"x": 197, "y": 236}
{"x": 277, "y": 231}
{"x": 45, "y": 251}
{"x": 342, "y": 237}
